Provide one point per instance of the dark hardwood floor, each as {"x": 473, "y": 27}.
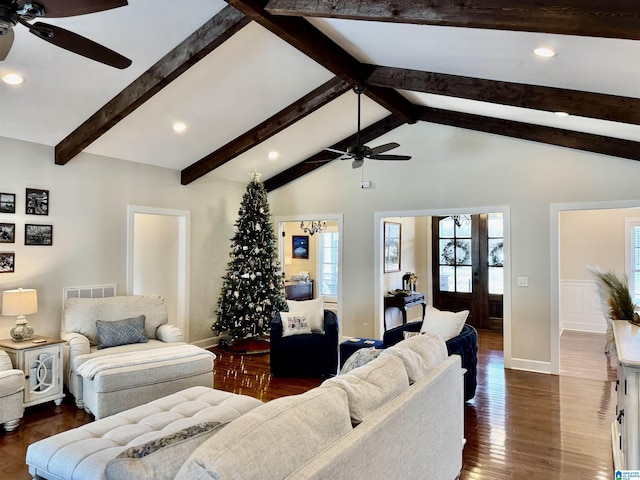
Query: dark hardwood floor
{"x": 519, "y": 425}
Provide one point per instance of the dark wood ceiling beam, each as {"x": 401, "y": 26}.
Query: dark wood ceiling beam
{"x": 318, "y": 160}
{"x": 278, "y": 122}
{"x": 592, "y": 18}
{"x": 553, "y": 136}
{"x": 198, "y": 45}
{"x": 586, "y": 104}
{"x": 309, "y": 40}
{"x": 525, "y": 131}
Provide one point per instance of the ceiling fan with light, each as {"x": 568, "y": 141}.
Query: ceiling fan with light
{"x": 14, "y": 12}
{"x": 359, "y": 152}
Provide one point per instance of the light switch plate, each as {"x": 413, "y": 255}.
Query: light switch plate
{"x": 523, "y": 281}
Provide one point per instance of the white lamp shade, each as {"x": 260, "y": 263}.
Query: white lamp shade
{"x": 23, "y": 301}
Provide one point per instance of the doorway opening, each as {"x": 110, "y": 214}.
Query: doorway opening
{"x": 158, "y": 258}
{"x": 429, "y": 282}
{"x": 576, "y": 245}
{"x": 312, "y": 261}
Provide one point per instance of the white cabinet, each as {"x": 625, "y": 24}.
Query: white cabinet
{"x": 626, "y": 427}
{"x": 42, "y": 367}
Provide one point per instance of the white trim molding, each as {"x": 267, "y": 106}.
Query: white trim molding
{"x": 580, "y": 307}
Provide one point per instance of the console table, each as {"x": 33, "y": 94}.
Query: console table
{"x": 299, "y": 291}
{"x": 403, "y": 303}
{"x": 625, "y": 429}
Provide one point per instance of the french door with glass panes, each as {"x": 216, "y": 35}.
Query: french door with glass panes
{"x": 467, "y": 272}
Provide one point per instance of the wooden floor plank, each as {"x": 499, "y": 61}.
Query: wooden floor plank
{"x": 519, "y": 425}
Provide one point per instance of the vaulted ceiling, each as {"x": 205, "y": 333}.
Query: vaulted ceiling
{"x": 258, "y": 76}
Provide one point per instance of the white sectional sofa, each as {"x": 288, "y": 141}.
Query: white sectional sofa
{"x": 398, "y": 416}
{"x": 108, "y": 380}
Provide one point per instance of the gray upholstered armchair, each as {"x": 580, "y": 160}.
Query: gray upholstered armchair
{"x": 11, "y": 387}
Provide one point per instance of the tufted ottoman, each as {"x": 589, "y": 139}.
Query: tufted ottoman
{"x": 190, "y": 416}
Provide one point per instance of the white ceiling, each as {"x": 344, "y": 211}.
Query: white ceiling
{"x": 255, "y": 74}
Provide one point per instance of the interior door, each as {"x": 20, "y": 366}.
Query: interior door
{"x": 467, "y": 252}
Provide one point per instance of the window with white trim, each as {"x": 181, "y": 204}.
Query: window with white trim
{"x": 632, "y": 256}
{"x": 328, "y": 264}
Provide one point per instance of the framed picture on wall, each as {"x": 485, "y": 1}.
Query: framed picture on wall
{"x": 37, "y": 202}
{"x": 300, "y": 247}
{"x": 7, "y": 232}
{"x": 392, "y": 246}
{"x": 38, "y": 234}
{"x": 7, "y": 203}
{"x": 7, "y": 262}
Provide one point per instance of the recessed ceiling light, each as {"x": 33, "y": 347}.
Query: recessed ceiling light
{"x": 12, "y": 78}
{"x": 561, "y": 114}
{"x": 272, "y": 155}
{"x": 544, "y": 52}
{"x": 179, "y": 127}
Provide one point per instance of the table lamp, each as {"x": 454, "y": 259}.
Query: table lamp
{"x": 20, "y": 302}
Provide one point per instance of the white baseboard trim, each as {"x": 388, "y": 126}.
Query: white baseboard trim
{"x": 582, "y": 327}
{"x": 535, "y": 366}
{"x": 207, "y": 342}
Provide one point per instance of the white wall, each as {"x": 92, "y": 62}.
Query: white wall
{"x": 588, "y": 238}
{"x": 88, "y": 209}
{"x": 155, "y": 266}
{"x": 456, "y": 168}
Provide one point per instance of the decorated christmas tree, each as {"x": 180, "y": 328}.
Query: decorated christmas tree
{"x": 252, "y": 289}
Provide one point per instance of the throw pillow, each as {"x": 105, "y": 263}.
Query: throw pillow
{"x": 295, "y": 323}
{"x": 359, "y": 358}
{"x": 160, "y": 458}
{"x": 445, "y": 324}
{"x": 315, "y": 308}
{"x": 121, "y": 332}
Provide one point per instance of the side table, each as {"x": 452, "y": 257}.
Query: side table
{"x": 41, "y": 361}
{"x": 403, "y": 303}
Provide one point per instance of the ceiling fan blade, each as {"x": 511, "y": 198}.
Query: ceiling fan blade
{"x": 328, "y": 149}
{"x": 5, "y": 44}
{"x": 384, "y": 148}
{"x": 78, "y": 44}
{"x": 357, "y": 163}
{"x": 390, "y": 157}
{"x": 71, "y": 8}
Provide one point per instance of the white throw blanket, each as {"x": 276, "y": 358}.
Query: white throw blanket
{"x": 93, "y": 366}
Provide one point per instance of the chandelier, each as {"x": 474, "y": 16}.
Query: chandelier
{"x": 460, "y": 220}
{"x": 313, "y": 226}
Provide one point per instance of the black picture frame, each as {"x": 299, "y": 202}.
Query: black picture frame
{"x": 38, "y": 234}
{"x": 392, "y": 246}
{"x": 300, "y": 246}
{"x": 7, "y": 233}
{"x": 36, "y": 201}
{"x": 7, "y": 202}
{"x": 7, "y": 262}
